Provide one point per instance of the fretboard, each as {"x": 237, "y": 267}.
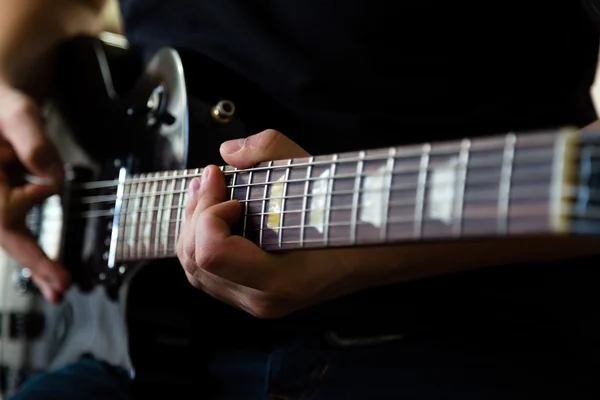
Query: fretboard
{"x": 492, "y": 186}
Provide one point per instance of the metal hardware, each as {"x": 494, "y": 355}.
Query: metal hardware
{"x": 223, "y": 111}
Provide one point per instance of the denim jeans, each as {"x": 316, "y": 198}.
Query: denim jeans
{"x": 330, "y": 367}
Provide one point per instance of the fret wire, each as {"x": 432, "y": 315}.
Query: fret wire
{"x": 144, "y": 214}
{"x": 505, "y": 181}
{"x": 356, "y": 197}
{"x": 390, "y": 165}
{"x": 150, "y": 216}
{"x": 139, "y": 209}
{"x": 159, "y": 217}
{"x": 181, "y": 202}
{"x": 264, "y": 204}
{"x": 233, "y": 180}
{"x": 305, "y": 200}
{"x": 131, "y": 215}
{"x": 421, "y": 189}
{"x": 247, "y": 203}
{"x": 165, "y": 223}
{"x": 332, "y": 170}
{"x": 281, "y": 212}
{"x": 463, "y": 165}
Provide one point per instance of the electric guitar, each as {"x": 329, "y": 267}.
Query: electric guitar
{"x": 124, "y": 198}
{"x": 131, "y": 209}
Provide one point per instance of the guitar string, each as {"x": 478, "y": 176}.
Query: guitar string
{"x": 397, "y": 171}
{"x": 483, "y": 177}
{"x": 136, "y": 242}
{"x": 169, "y": 248}
{"x": 539, "y": 208}
{"x": 569, "y": 193}
{"x": 328, "y": 161}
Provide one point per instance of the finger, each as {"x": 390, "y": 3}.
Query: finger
{"x": 192, "y": 199}
{"x": 212, "y": 189}
{"x": 215, "y": 223}
{"x": 49, "y": 276}
{"x": 21, "y": 125}
{"x": 25, "y": 197}
{"x": 269, "y": 145}
{"x": 7, "y": 153}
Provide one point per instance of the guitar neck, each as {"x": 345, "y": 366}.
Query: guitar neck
{"x": 503, "y": 185}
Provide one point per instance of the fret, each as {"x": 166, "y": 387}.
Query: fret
{"x": 247, "y": 203}
{"x": 282, "y": 210}
{"x": 158, "y": 223}
{"x": 326, "y": 220}
{"x": 147, "y": 206}
{"x": 505, "y": 182}
{"x": 356, "y": 197}
{"x": 463, "y": 163}
{"x": 264, "y": 204}
{"x": 129, "y": 238}
{"x": 167, "y": 217}
{"x": 149, "y": 221}
{"x": 137, "y": 204}
{"x": 182, "y": 200}
{"x": 421, "y": 189}
{"x": 305, "y": 200}
{"x": 233, "y": 183}
{"x": 389, "y": 169}
{"x": 142, "y": 188}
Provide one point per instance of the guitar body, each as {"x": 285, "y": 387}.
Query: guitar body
{"x": 138, "y": 120}
{"x": 112, "y": 113}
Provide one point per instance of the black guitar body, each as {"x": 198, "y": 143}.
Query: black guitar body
{"x": 134, "y": 115}
{"x": 113, "y": 113}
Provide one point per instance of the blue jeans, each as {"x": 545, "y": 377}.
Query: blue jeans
{"x": 329, "y": 367}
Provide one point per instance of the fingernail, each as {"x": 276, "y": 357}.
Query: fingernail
{"x": 205, "y": 174}
{"x": 231, "y": 146}
{"x": 194, "y": 186}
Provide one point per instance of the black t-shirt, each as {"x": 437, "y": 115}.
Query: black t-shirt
{"x": 355, "y": 74}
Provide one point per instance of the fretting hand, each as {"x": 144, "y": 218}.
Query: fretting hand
{"x": 234, "y": 269}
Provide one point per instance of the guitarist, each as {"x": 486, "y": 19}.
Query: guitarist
{"x": 456, "y": 321}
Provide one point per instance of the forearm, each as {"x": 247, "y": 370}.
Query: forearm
{"x": 30, "y": 28}
{"x": 378, "y": 266}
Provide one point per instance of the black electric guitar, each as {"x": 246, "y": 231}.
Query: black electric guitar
{"x": 133, "y": 136}
{"x": 116, "y": 214}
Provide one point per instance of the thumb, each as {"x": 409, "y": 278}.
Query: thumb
{"x": 269, "y": 145}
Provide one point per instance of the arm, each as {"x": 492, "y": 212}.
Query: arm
{"x": 31, "y": 28}
{"x": 379, "y": 266}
